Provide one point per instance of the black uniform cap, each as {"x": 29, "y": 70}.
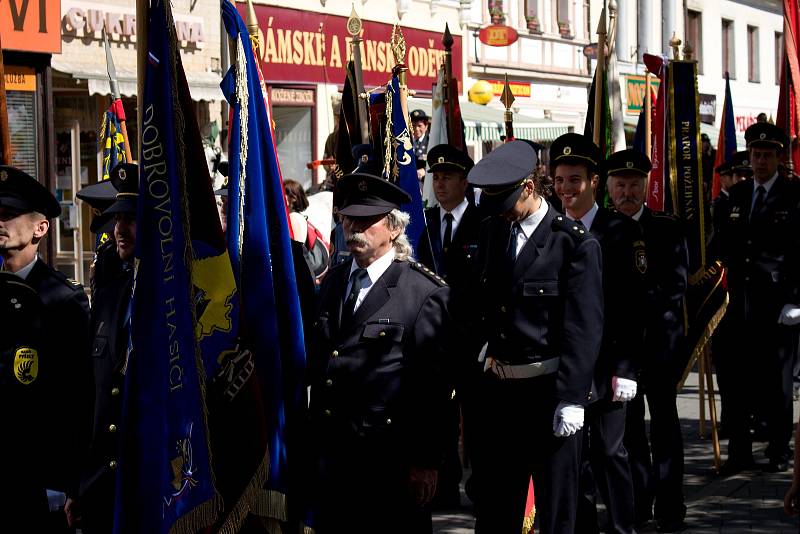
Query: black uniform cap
{"x": 740, "y": 163}
{"x": 724, "y": 168}
{"x": 575, "y": 149}
{"x": 366, "y": 195}
{"x": 125, "y": 180}
{"x": 765, "y": 135}
{"x": 449, "y": 158}
{"x": 419, "y": 115}
{"x": 628, "y": 161}
{"x": 23, "y": 193}
{"x": 222, "y": 168}
{"x": 99, "y": 196}
{"x": 501, "y": 174}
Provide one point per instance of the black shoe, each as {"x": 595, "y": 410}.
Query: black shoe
{"x": 734, "y": 466}
{"x": 778, "y": 465}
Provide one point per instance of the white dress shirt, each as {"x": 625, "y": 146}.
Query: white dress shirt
{"x": 588, "y": 217}
{"x": 529, "y": 224}
{"x": 25, "y": 271}
{"x": 766, "y": 185}
{"x": 458, "y": 213}
{"x": 638, "y": 214}
{"x": 374, "y": 271}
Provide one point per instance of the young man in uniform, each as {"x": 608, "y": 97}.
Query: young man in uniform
{"x": 377, "y": 373}
{"x": 541, "y": 312}
{"x": 658, "y": 480}
{"x": 574, "y": 160}
{"x": 761, "y": 251}
{"x": 26, "y": 208}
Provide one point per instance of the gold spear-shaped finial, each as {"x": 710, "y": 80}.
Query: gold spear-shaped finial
{"x": 675, "y": 44}
{"x": 507, "y": 98}
{"x": 398, "y": 44}
{"x": 688, "y": 51}
{"x": 598, "y": 76}
{"x": 252, "y": 28}
{"x": 354, "y": 23}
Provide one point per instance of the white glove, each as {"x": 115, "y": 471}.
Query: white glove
{"x": 790, "y": 315}
{"x": 568, "y": 419}
{"x": 624, "y": 389}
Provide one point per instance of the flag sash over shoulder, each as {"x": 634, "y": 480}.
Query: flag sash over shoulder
{"x": 165, "y": 482}
{"x": 686, "y": 168}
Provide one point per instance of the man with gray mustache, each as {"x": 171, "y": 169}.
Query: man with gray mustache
{"x": 377, "y": 373}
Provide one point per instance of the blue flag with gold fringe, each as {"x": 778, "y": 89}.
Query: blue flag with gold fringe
{"x": 260, "y": 250}
{"x": 164, "y": 482}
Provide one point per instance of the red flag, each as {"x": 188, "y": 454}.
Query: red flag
{"x": 726, "y": 143}
{"x": 788, "y": 102}
{"x": 655, "y": 188}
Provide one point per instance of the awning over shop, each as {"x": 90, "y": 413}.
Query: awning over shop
{"x": 483, "y": 123}
{"x": 202, "y": 85}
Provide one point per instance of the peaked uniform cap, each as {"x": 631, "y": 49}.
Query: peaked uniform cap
{"x": 22, "y": 192}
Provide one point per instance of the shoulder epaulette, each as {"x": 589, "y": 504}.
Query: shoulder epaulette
{"x": 73, "y": 285}
{"x": 562, "y": 223}
{"x": 435, "y": 278}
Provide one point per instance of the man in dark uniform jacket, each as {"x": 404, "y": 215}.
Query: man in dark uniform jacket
{"x": 23, "y": 497}
{"x": 542, "y": 315}
{"x": 376, "y": 367}
{"x": 419, "y": 130}
{"x": 26, "y": 208}
{"x": 574, "y": 159}
{"x": 761, "y": 251}
{"x": 659, "y": 479}
{"x": 730, "y": 173}
{"x": 449, "y": 248}
{"x": 109, "y": 325}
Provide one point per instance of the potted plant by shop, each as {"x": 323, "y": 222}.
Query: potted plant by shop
{"x": 496, "y": 11}
{"x": 565, "y": 30}
{"x": 532, "y": 22}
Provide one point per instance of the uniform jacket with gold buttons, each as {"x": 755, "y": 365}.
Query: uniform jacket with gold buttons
{"x": 549, "y": 305}
{"x": 384, "y": 378}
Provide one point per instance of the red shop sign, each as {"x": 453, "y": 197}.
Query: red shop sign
{"x": 312, "y": 47}
{"x": 498, "y": 35}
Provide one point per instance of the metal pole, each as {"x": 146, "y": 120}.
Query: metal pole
{"x": 648, "y": 116}
{"x": 598, "y": 76}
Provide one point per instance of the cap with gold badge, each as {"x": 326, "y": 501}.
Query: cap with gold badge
{"x": 23, "y": 193}
{"x": 502, "y": 173}
{"x": 366, "y": 195}
{"x": 575, "y": 149}
{"x": 449, "y": 158}
{"x": 628, "y": 162}
{"x": 765, "y": 135}
{"x": 740, "y": 163}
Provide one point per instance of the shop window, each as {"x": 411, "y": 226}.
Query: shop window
{"x": 532, "y": 16}
{"x": 564, "y": 19}
{"x": 728, "y": 49}
{"x": 753, "y": 74}
{"x": 293, "y": 129}
{"x": 694, "y": 35}
{"x": 22, "y": 126}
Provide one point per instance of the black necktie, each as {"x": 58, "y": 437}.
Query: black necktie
{"x": 511, "y": 251}
{"x": 448, "y": 231}
{"x": 579, "y": 223}
{"x": 758, "y": 205}
{"x": 357, "y": 278}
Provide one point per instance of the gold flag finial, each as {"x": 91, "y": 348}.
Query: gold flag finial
{"x": 507, "y": 97}
{"x": 252, "y": 28}
{"x": 354, "y": 22}
{"x": 675, "y": 44}
{"x": 398, "y": 44}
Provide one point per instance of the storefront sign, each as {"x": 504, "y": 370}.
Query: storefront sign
{"x": 291, "y": 97}
{"x": 635, "y": 92}
{"x": 31, "y": 25}
{"x": 20, "y": 78}
{"x": 497, "y": 35}
{"x": 86, "y": 20}
{"x": 708, "y": 108}
{"x": 517, "y": 88}
{"x": 312, "y": 47}
{"x": 743, "y": 122}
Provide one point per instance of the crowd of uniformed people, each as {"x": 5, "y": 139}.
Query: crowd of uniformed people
{"x": 523, "y": 339}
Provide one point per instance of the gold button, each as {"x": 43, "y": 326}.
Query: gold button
{"x": 112, "y": 464}
{"x": 329, "y": 382}
{"x": 502, "y": 336}
{"x": 503, "y": 309}
{"x": 388, "y": 421}
{"x": 112, "y": 428}
{"x": 747, "y": 260}
{"x": 541, "y": 291}
{"x": 327, "y": 413}
{"x": 114, "y": 392}
{"x": 335, "y": 353}
{"x": 382, "y": 334}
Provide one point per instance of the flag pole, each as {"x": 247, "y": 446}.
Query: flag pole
{"x": 507, "y": 98}
{"x": 141, "y": 60}
{"x": 113, "y": 85}
{"x": 354, "y": 28}
{"x": 447, "y": 42}
{"x": 5, "y": 133}
{"x": 598, "y": 76}
{"x": 648, "y": 116}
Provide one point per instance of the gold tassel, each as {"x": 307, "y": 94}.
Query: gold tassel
{"x": 527, "y": 523}
{"x": 245, "y": 503}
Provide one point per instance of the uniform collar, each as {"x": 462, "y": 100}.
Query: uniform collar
{"x": 25, "y": 271}
{"x": 588, "y": 217}
{"x": 766, "y": 185}
{"x": 638, "y": 215}
{"x": 457, "y": 212}
{"x": 529, "y": 223}
{"x": 377, "y": 268}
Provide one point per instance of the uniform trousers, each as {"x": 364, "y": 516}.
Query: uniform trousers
{"x": 514, "y": 442}
{"x": 658, "y": 477}
{"x": 762, "y": 374}
{"x": 605, "y": 469}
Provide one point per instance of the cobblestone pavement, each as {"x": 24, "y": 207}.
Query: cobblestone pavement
{"x": 751, "y": 502}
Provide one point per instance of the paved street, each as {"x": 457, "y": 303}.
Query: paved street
{"x": 749, "y": 502}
